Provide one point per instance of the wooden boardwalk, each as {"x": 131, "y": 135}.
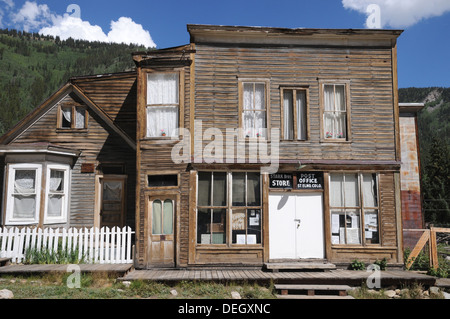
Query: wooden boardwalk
{"x": 113, "y": 269}
{"x": 348, "y": 277}
{"x": 332, "y": 277}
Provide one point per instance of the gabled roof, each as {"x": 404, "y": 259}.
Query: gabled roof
{"x": 39, "y": 111}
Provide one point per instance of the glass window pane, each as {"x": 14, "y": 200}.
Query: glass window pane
{"x": 260, "y": 99}
{"x": 66, "y": 118}
{"x": 162, "y": 88}
{"x": 238, "y": 189}
{"x": 204, "y": 189}
{"x": 288, "y": 120}
{"x": 218, "y": 226}
{"x": 162, "y": 121}
{"x": 238, "y": 226}
{"x": 56, "y": 180}
{"x": 371, "y": 226}
{"x": 351, "y": 190}
{"x": 340, "y": 97}
{"x": 336, "y": 190}
{"x": 338, "y": 227}
{"x": 156, "y": 216}
{"x": 260, "y": 124}
{"x": 329, "y": 125}
{"x": 219, "y": 189}
{"x": 24, "y": 181}
{"x": 369, "y": 188}
{"x": 80, "y": 118}
{"x": 253, "y": 189}
{"x": 24, "y": 206}
{"x": 204, "y": 226}
{"x": 329, "y": 97}
{"x": 168, "y": 217}
{"x": 301, "y": 115}
{"x": 353, "y": 231}
{"x": 254, "y": 223}
{"x": 54, "y": 207}
{"x": 112, "y": 190}
{"x": 249, "y": 96}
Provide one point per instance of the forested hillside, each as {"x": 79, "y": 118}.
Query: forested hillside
{"x": 33, "y": 66}
{"x": 434, "y": 140}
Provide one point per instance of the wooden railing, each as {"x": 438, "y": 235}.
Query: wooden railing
{"x": 429, "y": 235}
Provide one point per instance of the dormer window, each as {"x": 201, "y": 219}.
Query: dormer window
{"x": 72, "y": 117}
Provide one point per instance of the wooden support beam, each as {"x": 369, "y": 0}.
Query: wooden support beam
{"x": 417, "y": 249}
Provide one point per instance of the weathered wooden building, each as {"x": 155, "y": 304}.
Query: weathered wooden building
{"x": 246, "y": 146}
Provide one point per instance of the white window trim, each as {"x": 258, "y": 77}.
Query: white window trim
{"x": 9, "y": 220}
{"x": 65, "y": 204}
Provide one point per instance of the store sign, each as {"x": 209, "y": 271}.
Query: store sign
{"x": 281, "y": 180}
{"x": 310, "y": 180}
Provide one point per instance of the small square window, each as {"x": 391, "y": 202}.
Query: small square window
{"x": 72, "y": 117}
{"x": 162, "y": 180}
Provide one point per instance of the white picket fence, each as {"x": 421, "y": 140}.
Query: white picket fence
{"x": 104, "y": 246}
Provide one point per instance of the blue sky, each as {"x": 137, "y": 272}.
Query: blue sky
{"x": 423, "y": 48}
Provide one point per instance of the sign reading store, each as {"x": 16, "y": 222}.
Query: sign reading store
{"x": 299, "y": 180}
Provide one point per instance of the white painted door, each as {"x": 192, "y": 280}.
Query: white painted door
{"x": 296, "y": 226}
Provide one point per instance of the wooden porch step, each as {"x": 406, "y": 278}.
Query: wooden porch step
{"x": 300, "y": 265}
{"x": 319, "y": 291}
{"x": 5, "y": 261}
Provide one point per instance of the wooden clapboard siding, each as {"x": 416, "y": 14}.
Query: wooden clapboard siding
{"x": 116, "y": 94}
{"x": 369, "y": 70}
{"x": 388, "y": 208}
{"x": 154, "y": 156}
{"x": 98, "y": 143}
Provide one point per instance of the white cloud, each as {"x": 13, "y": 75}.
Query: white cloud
{"x": 401, "y": 13}
{"x": 39, "y": 17}
{"x": 69, "y": 27}
{"x": 127, "y": 31}
{"x": 32, "y": 15}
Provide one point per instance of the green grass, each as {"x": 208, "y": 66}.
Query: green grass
{"x": 101, "y": 286}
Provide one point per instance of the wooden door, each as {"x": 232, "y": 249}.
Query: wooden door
{"x": 112, "y": 206}
{"x": 296, "y": 226}
{"x": 161, "y": 231}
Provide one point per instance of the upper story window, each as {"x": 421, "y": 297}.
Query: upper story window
{"x": 163, "y": 104}
{"x": 335, "y": 112}
{"x": 253, "y": 109}
{"x": 295, "y": 115}
{"x": 72, "y": 117}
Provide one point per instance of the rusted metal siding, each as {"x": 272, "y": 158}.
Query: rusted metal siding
{"x": 410, "y": 180}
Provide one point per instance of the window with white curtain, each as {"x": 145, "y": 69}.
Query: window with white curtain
{"x": 162, "y": 104}
{"x": 72, "y": 117}
{"x": 334, "y": 111}
{"x": 57, "y": 194}
{"x": 254, "y": 109}
{"x": 294, "y": 114}
{"x": 24, "y": 193}
{"x": 23, "y": 198}
{"x": 354, "y": 208}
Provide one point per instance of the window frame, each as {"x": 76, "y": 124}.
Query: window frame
{"x": 346, "y": 84}
{"x": 361, "y": 208}
{"x": 241, "y": 83}
{"x": 9, "y": 218}
{"x": 229, "y": 209}
{"x": 59, "y": 124}
{"x": 180, "y": 105}
{"x": 48, "y": 220}
{"x": 294, "y": 90}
